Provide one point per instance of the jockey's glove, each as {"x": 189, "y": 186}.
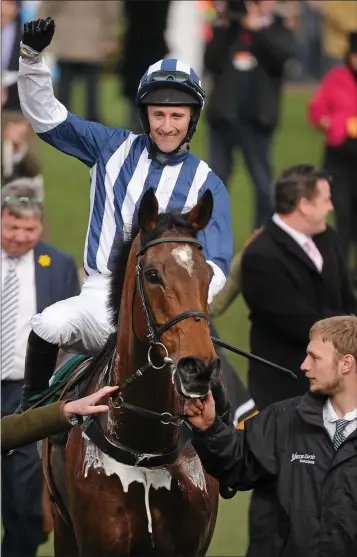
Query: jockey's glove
{"x": 36, "y": 36}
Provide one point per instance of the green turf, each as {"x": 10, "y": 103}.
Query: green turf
{"x": 67, "y": 202}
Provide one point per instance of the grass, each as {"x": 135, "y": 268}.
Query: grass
{"x": 67, "y": 204}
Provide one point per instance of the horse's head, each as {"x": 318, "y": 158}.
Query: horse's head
{"x": 173, "y": 278}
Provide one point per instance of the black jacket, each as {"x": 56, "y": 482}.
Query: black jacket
{"x": 287, "y": 445}
{"x": 272, "y": 48}
{"x": 286, "y": 295}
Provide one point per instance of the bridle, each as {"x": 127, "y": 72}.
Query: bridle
{"x": 154, "y": 333}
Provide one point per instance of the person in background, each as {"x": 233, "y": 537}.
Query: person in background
{"x": 333, "y": 111}
{"x": 339, "y": 19}
{"x": 305, "y": 448}
{"x": 88, "y": 34}
{"x": 246, "y": 58}
{"x": 34, "y": 276}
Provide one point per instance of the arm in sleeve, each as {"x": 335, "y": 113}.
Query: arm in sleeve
{"x": 51, "y": 120}
{"x": 217, "y": 50}
{"x": 273, "y": 47}
{"x": 269, "y": 292}
{"x": 18, "y": 430}
{"x": 240, "y": 460}
{"x": 230, "y": 290}
{"x": 217, "y": 237}
{"x": 318, "y": 105}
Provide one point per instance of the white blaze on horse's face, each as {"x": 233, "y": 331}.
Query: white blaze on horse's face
{"x": 183, "y": 257}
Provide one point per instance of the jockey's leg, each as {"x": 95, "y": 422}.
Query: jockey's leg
{"x": 223, "y": 405}
{"x": 80, "y": 324}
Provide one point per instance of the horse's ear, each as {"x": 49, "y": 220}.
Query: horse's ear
{"x": 148, "y": 211}
{"x": 199, "y": 216}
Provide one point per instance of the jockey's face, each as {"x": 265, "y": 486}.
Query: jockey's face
{"x": 19, "y": 234}
{"x": 168, "y": 125}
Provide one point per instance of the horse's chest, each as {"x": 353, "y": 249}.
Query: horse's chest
{"x": 149, "y": 478}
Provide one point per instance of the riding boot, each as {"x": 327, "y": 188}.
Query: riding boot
{"x": 223, "y": 406}
{"x": 40, "y": 364}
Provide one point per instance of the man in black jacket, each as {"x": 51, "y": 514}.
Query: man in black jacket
{"x": 305, "y": 447}
{"x": 246, "y": 58}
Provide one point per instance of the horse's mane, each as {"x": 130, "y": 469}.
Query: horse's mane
{"x": 167, "y": 222}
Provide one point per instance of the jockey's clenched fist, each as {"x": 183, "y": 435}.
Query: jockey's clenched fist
{"x": 38, "y": 34}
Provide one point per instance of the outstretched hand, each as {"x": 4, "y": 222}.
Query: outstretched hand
{"x": 38, "y": 33}
{"x": 201, "y": 413}
{"x": 88, "y": 405}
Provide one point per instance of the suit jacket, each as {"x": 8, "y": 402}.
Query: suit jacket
{"x": 56, "y": 276}
{"x": 286, "y": 295}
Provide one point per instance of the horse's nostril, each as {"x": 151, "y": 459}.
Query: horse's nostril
{"x": 191, "y": 365}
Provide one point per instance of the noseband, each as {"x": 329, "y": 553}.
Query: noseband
{"x": 155, "y": 331}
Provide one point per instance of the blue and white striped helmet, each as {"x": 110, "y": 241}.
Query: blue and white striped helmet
{"x": 171, "y": 82}
{"x": 178, "y": 83}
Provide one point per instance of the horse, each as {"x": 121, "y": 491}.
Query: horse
{"x": 129, "y": 482}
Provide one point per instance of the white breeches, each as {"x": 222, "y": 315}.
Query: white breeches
{"x": 80, "y": 324}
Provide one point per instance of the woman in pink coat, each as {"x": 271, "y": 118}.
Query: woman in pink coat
{"x": 333, "y": 110}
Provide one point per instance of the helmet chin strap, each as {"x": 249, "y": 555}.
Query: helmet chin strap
{"x": 155, "y": 150}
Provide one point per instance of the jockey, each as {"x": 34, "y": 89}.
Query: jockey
{"x": 122, "y": 167}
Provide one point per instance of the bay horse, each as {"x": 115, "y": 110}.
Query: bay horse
{"x": 129, "y": 482}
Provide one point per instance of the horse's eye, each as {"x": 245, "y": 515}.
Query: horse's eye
{"x": 153, "y": 276}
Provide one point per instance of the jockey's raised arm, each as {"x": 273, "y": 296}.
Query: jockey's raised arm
{"x": 51, "y": 120}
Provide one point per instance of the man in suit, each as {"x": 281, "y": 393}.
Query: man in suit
{"x": 34, "y": 276}
{"x": 292, "y": 275}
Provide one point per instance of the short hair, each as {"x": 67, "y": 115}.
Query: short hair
{"x": 295, "y": 183}
{"x": 341, "y": 331}
{"x": 22, "y": 199}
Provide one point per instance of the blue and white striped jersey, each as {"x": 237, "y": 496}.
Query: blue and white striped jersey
{"x": 121, "y": 171}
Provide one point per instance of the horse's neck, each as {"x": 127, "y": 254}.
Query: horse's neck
{"x": 153, "y": 390}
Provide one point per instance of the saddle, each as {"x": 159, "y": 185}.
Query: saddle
{"x": 72, "y": 379}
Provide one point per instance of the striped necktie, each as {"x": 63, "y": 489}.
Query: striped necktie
{"x": 339, "y": 438}
{"x": 9, "y": 307}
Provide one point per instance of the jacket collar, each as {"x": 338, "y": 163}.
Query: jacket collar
{"x": 310, "y": 408}
{"x": 284, "y": 239}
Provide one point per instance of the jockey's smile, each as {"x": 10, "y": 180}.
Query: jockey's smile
{"x": 168, "y": 126}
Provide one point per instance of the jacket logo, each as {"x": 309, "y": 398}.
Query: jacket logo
{"x": 304, "y": 458}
